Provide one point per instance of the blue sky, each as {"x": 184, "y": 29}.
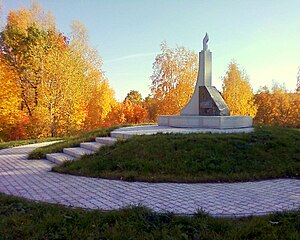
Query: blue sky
{"x": 263, "y": 36}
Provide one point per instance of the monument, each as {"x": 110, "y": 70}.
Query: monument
{"x": 206, "y": 108}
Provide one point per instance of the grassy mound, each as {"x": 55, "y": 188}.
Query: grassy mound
{"x": 21, "y": 219}
{"x": 268, "y": 152}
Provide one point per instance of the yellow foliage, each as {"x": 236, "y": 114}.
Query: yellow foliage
{"x": 173, "y": 79}
{"x": 237, "y": 92}
{"x": 99, "y": 105}
{"x": 23, "y": 18}
{"x": 59, "y": 84}
{"x": 9, "y": 96}
{"x": 278, "y": 108}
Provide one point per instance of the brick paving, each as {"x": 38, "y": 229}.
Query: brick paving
{"x": 33, "y": 179}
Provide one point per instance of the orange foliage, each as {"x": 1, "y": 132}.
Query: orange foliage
{"x": 9, "y": 98}
{"x": 278, "y": 108}
{"x": 19, "y": 130}
{"x": 127, "y": 112}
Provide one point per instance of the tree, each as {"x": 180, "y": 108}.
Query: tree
{"x": 27, "y": 35}
{"x": 98, "y": 94}
{"x": 277, "y": 107}
{"x": 62, "y": 94}
{"x": 173, "y": 79}
{"x": 152, "y": 108}
{"x": 17, "y": 41}
{"x": 127, "y": 112}
{"x": 59, "y": 80}
{"x": 10, "y": 100}
{"x": 134, "y": 97}
{"x": 99, "y": 105}
{"x": 237, "y": 92}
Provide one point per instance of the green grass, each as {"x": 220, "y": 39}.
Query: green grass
{"x": 40, "y": 153}
{"x": 22, "y": 219}
{"x": 268, "y": 152}
{"x": 24, "y": 142}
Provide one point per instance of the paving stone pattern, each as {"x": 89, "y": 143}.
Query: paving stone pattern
{"x": 33, "y": 179}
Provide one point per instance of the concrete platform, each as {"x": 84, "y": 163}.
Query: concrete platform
{"x": 215, "y": 122}
{"x": 127, "y": 132}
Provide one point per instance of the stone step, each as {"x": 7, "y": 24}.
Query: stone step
{"x": 59, "y": 158}
{"x": 77, "y": 152}
{"x": 106, "y": 140}
{"x": 122, "y": 135}
{"x": 93, "y": 146}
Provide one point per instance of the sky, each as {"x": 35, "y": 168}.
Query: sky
{"x": 262, "y": 36}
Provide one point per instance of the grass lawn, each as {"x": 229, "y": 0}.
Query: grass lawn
{"x": 70, "y": 142}
{"x": 22, "y": 219}
{"x": 268, "y": 152}
{"x": 24, "y": 142}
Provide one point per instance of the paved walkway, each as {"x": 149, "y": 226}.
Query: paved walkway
{"x": 32, "y": 179}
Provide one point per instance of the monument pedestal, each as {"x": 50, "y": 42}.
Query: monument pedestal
{"x": 214, "y": 122}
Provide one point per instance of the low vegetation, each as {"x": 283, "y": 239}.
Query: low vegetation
{"x": 21, "y": 219}
{"x": 70, "y": 142}
{"x": 268, "y": 152}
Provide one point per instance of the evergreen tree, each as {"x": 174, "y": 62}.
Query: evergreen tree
{"x": 134, "y": 97}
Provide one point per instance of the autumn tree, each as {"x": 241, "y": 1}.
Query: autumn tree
{"x": 127, "y": 112}
{"x": 150, "y": 104}
{"x": 39, "y": 55}
{"x": 97, "y": 92}
{"x": 61, "y": 83}
{"x": 277, "y": 107}
{"x": 10, "y": 100}
{"x": 24, "y": 37}
{"x": 173, "y": 78}
{"x": 100, "y": 103}
{"x": 134, "y": 97}
{"x": 237, "y": 92}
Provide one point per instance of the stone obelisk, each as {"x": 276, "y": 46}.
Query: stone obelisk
{"x": 206, "y": 100}
{"x": 206, "y": 108}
